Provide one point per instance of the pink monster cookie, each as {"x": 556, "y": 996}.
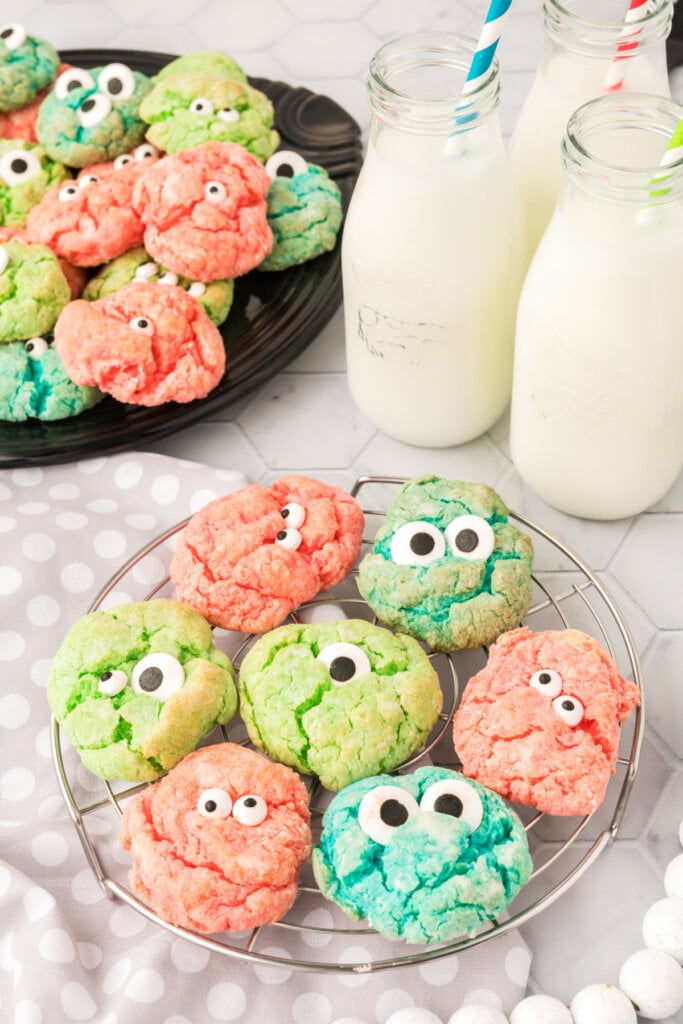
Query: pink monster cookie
{"x": 142, "y": 344}
{"x": 250, "y": 558}
{"x": 204, "y": 211}
{"x": 540, "y": 723}
{"x": 217, "y": 844}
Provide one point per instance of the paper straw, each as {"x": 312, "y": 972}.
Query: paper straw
{"x": 627, "y": 46}
{"x": 674, "y": 152}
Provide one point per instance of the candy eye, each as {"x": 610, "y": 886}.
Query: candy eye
{"x": 67, "y": 193}
{"x": 13, "y": 35}
{"x": 229, "y": 115}
{"x": 74, "y": 78}
{"x": 569, "y": 709}
{"x": 4, "y": 259}
{"x": 470, "y": 537}
{"x": 36, "y": 347}
{"x": 122, "y": 161}
{"x": 455, "y": 797}
{"x": 285, "y": 164}
{"x": 344, "y": 662}
{"x": 384, "y": 809}
{"x": 112, "y": 682}
{"x": 290, "y": 540}
{"x": 87, "y": 179}
{"x": 145, "y": 151}
{"x": 168, "y": 278}
{"x": 417, "y": 543}
{"x": 294, "y": 513}
{"x": 215, "y": 191}
{"x": 202, "y": 106}
{"x": 214, "y": 803}
{"x": 196, "y": 289}
{"x": 19, "y": 165}
{"x": 250, "y": 810}
{"x": 159, "y": 675}
{"x": 146, "y": 271}
{"x": 141, "y": 323}
{"x": 117, "y": 80}
{"x": 93, "y": 110}
{"x": 547, "y": 681}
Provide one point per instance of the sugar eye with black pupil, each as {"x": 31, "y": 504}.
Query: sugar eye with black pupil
{"x": 281, "y": 534}
{"x": 466, "y": 540}
{"x": 422, "y": 543}
{"x": 210, "y": 806}
{"x": 151, "y": 679}
{"x": 448, "y": 803}
{"x": 393, "y": 813}
{"x": 87, "y": 105}
{"x": 342, "y": 669}
{"x": 19, "y": 165}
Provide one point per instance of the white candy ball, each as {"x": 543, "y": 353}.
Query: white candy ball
{"x": 413, "y": 1015}
{"x": 663, "y": 927}
{"x": 653, "y": 981}
{"x": 540, "y": 1010}
{"x": 673, "y": 877}
{"x": 478, "y": 1013}
{"x": 604, "y": 1003}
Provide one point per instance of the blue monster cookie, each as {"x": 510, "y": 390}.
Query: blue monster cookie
{"x": 447, "y": 565}
{"x": 35, "y": 385}
{"x": 27, "y": 65}
{"x": 425, "y": 857}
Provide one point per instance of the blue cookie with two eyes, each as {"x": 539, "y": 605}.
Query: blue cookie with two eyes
{"x": 93, "y": 114}
{"x": 35, "y": 385}
{"x": 425, "y": 857}
{"x": 27, "y": 65}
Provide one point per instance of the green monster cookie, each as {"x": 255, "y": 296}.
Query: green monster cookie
{"x": 208, "y": 62}
{"x": 304, "y": 210}
{"x": 35, "y": 385}
{"x": 447, "y": 566}
{"x": 33, "y": 291}
{"x": 184, "y": 110}
{"x": 26, "y": 173}
{"x": 27, "y": 65}
{"x": 215, "y": 297}
{"x": 93, "y": 115}
{"x": 136, "y": 687}
{"x": 340, "y": 700}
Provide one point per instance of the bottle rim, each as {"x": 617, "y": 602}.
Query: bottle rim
{"x": 597, "y": 36}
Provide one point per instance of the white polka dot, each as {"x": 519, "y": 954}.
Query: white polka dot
{"x": 125, "y": 922}
{"x": 233, "y": 475}
{"x": 484, "y": 995}
{"x": 38, "y": 903}
{"x": 226, "y": 1001}
{"x": 318, "y": 919}
{"x": 146, "y": 986}
{"x": 7, "y": 524}
{"x": 12, "y": 645}
{"x": 391, "y": 1000}
{"x": 187, "y": 957}
{"x": 440, "y": 972}
{"x": 103, "y": 505}
{"x": 39, "y": 547}
{"x": 43, "y": 610}
{"x": 57, "y": 947}
{"x": 77, "y": 577}
{"x": 517, "y": 963}
{"x": 28, "y": 1012}
{"x": 49, "y": 848}
{"x": 273, "y": 975}
{"x": 354, "y": 955}
{"x": 65, "y": 492}
{"x": 14, "y": 711}
{"x": 16, "y": 784}
{"x": 150, "y": 570}
{"x": 5, "y": 492}
{"x": 5, "y": 879}
{"x": 141, "y": 521}
{"x": 27, "y": 477}
{"x": 201, "y": 498}
{"x": 109, "y": 544}
{"x": 90, "y": 955}
{"x": 165, "y": 489}
{"x": 99, "y": 826}
{"x": 39, "y": 672}
{"x": 89, "y": 466}
{"x": 10, "y": 580}
{"x": 33, "y": 508}
{"x": 177, "y": 1019}
{"x": 76, "y": 1002}
{"x": 71, "y": 520}
{"x": 116, "y": 977}
{"x": 43, "y": 742}
{"x": 312, "y": 1006}
{"x": 85, "y": 888}
{"x": 115, "y": 597}
{"x": 53, "y": 808}
{"x": 127, "y": 475}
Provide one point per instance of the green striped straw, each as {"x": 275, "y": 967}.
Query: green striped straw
{"x": 674, "y": 152}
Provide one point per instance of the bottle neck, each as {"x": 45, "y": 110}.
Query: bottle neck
{"x": 599, "y": 28}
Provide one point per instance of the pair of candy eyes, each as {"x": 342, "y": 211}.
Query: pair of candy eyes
{"x": 421, "y": 542}
{"x": 549, "y": 682}
{"x": 385, "y": 808}
{"x": 146, "y": 271}
{"x": 289, "y": 537}
{"x": 217, "y": 805}
{"x": 158, "y": 675}
{"x": 115, "y": 82}
{"x": 143, "y": 152}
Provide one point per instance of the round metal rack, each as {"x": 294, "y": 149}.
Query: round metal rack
{"x": 567, "y": 594}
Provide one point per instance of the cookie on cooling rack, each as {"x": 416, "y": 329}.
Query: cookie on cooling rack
{"x": 425, "y": 857}
{"x": 218, "y": 843}
{"x": 540, "y": 722}
{"x": 340, "y": 700}
{"x": 136, "y": 686}
{"x": 246, "y": 560}
{"x": 448, "y": 566}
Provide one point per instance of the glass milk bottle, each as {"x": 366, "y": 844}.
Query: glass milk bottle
{"x": 433, "y": 249}
{"x": 581, "y": 40}
{"x": 597, "y": 400}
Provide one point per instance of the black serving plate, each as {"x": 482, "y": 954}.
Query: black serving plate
{"x": 274, "y": 317}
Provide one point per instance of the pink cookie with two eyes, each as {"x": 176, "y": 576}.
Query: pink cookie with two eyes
{"x": 245, "y": 561}
{"x": 142, "y": 344}
{"x": 204, "y": 211}
{"x": 217, "y": 845}
{"x": 540, "y": 723}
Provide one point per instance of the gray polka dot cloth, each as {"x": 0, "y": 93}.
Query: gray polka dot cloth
{"x": 69, "y": 953}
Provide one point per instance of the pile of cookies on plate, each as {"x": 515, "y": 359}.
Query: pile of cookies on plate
{"x": 424, "y": 854}
{"x": 113, "y": 183}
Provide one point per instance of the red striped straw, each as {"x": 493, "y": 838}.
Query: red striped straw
{"x": 627, "y": 45}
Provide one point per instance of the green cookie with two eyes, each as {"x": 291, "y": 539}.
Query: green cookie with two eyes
{"x": 340, "y": 700}
{"x": 187, "y": 109}
{"x": 93, "y": 114}
{"x": 27, "y": 65}
{"x": 26, "y": 173}
{"x": 33, "y": 291}
{"x": 448, "y": 566}
{"x": 35, "y": 385}
{"x": 136, "y": 686}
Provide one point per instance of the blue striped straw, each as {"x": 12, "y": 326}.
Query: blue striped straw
{"x": 486, "y": 46}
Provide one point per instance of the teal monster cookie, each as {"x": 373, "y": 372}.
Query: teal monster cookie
{"x": 35, "y": 385}
{"x": 212, "y": 62}
{"x": 341, "y": 700}
{"x": 304, "y": 210}
{"x": 93, "y": 114}
{"x": 136, "y": 686}
{"x": 448, "y": 566}
{"x": 33, "y": 290}
{"x": 27, "y": 65}
{"x": 425, "y": 857}
{"x": 183, "y": 110}
{"x": 26, "y": 174}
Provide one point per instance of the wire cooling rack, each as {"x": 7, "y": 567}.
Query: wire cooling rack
{"x": 566, "y": 593}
